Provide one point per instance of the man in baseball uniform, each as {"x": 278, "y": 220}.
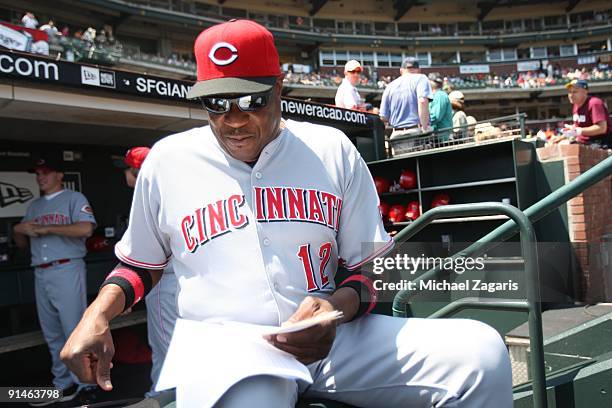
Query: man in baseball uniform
{"x": 57, "y": 225}
{"x": 161, "y": 301}
{"x": 257, "y": 214}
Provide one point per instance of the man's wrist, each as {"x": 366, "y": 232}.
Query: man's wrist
{"x": 109, "y": 303}
{"x": 347, "y": 301}
{"x": 135, "y": 283}
{"x": 365, "y": 291}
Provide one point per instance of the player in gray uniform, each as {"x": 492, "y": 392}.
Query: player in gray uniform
{"x": 283, "y": 206}
{"x": 57, "y": 225}
{"x": 161, "y": 301}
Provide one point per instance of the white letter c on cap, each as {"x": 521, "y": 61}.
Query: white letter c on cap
{"x": 219, "y": 45}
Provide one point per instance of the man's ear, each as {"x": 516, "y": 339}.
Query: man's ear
{"x": 278, "y": 86}
{"x": 277, "y": 90}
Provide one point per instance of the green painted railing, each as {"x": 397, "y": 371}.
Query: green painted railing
{"x": 530, "y": 256}
{"x": 519, "y": 222}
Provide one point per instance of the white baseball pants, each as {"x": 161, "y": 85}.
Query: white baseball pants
{"x": 383, "y": 361}
{"x": 60, "y": 302}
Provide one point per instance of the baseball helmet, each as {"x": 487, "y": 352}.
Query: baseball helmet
{"x": 408, "y": 180}
{"x": 440, "y": 199}
{"x": 382, "y": 184}
{"x": 412, "y": 210}
{"x": 397, "y": 213}
{"x": 384, "y": 208}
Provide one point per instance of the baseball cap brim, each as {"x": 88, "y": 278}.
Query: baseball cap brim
{"x": 228, "y": 86}
{"x": 576, "y": 84}
{"x": 46, "y": 164}
{"x": 118, "y": 161}
{"x": 45, "y": 167}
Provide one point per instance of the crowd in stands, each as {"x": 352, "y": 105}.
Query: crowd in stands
{"x": 89, "y": 43}
{"x": 97, "y": 45}
{"x": 554, "y": 74}
{"x": 324, "y": 25}
{"x": 174, "y": 60}
{"x": 100, "y": 46}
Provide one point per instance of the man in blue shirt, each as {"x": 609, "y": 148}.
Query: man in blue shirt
{"x": 405, "y": 105}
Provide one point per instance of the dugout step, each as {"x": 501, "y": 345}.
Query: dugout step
{"x": 572, "y": 335}
{"x": 585, "y": 384}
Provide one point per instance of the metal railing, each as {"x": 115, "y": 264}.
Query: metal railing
{"x": 519, "y": 222}
{"x": 529, "y": 252}
{"x": 503, "y": 127}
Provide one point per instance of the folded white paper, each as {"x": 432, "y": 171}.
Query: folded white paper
{"x": 305, "y": 324}
{"x": 205, "y": 359}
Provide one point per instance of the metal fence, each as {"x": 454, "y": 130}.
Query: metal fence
{"x": 505, "y": 127}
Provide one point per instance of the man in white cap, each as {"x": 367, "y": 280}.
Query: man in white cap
{"x": 460, "y": 123}
{"x": 347, "y": 95}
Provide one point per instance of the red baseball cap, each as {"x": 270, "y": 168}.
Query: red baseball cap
{"x": 136, "y": 156}
{"x": 237, "y": 57}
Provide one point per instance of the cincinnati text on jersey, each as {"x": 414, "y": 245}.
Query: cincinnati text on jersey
{"x": 272, "y": 204}
{"x": 52, "y": 219}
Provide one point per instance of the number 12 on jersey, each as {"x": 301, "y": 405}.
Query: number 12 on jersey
{"x": 324, "y": 255}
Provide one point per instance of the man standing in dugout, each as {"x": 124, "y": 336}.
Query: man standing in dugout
{"x": 56, "y": 226}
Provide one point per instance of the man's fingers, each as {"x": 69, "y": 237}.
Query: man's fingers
{"x": 103, "y": 370}
{"x": 305, "y": 355}
{"x": 306, "y": 349}
{"x": 307, "y": 336}
{"x": 83, "y": 371}
{"x": 304, "y": 311}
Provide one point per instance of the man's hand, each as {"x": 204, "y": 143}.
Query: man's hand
{"x": 79, "y": 229}
{"x": 28, "y": 228}
{"x": 571, "y": 131}
{"x": 426, "y": 129}
{"x": 312, "y": 344}
{"x": 89, "y": 350}
{"x": 41, "y": 230}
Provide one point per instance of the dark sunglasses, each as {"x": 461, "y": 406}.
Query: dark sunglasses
{"x": 247, "y": 103}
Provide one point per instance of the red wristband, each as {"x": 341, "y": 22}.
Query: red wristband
{"x": 368, "y": 284}
{"x": 133, "y": 279}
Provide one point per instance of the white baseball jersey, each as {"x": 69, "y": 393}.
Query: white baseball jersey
{"x": 67, "y": 207}
{"x": 249, "y": 243}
